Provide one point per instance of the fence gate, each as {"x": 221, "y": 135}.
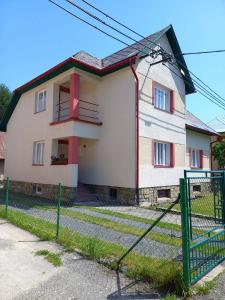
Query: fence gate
{"x": 203, "y": 222}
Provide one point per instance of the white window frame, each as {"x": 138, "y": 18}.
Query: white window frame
{"x": 195, "y": 158}
{"x": 38, "y": 153}
{"x": 162, "y": 154}
{"x": 40, "y": 103}
{"x": 162, "y": 98}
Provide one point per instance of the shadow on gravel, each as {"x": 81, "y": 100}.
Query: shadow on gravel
{"x": 130, "y": 291}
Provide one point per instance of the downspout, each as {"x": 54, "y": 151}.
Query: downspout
{"x": 137, "y": 126}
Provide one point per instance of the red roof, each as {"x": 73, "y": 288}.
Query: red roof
{"x": 2, "y": 145}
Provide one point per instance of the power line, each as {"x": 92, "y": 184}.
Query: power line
{"x": 202, "y": 88}
{"x": 115, "y": 38}
{"x": 95, "y": 27}
{"x": 138, "y": 34}
{"x": 222, "y": 106}
{"x": 204, "y": 52}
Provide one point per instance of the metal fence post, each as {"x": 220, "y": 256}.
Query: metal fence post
{"x": 7, "y": 196}
{"x": 59, "y": 196}
{"x": 185, "y": 233}
{"x": 223, "y": 197}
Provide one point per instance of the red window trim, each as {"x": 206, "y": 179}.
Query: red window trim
{"x": 201, "y": 156}
{"x": 172, "y": 154}
{"x": 172, "y": 96}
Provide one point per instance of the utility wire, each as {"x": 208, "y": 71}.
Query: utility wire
{"x": 202, "y": 87}
{"x": 204, "y": 52}
{"x": 93, "y": 26}
{"x": 115, "y": 38}
{"x": 138, "y": 34}
{"x": 222, "y": 106}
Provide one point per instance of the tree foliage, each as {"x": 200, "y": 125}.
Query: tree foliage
{"x": 5, "y": 95}
{"x": 218, "y": 152}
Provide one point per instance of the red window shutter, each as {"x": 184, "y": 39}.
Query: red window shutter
{"x": 171, "y": 155}
{"x": 153, "y": 152}
{"x": 153, "y": 92}
{"x": 201, "y": 159}
{"x": 172, "y": 102}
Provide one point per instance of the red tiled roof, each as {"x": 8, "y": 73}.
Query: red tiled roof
{"x": 2, "y": 145}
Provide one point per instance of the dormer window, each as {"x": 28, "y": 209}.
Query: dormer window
{"x": 40, "y": 103}
{"x": 162, "y": 97}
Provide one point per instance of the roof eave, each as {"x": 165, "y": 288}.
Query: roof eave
{"x": 200, "y": 130}
{"x": 53, "y": 72}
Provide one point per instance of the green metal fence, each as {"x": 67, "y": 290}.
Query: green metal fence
{"x": 203, "y": 222}
{"x": 31, "y": 205}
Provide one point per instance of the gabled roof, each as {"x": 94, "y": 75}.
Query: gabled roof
{"x": 102, "y": 67}
{"x": 218, "y": 124}
{"x": 194, "y": 123}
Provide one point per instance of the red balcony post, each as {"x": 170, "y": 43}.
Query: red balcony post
{"x": 73, "y": 150}
{"x": 74, "y": 95}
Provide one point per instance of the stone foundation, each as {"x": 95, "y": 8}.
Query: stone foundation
{"x": 48, "y": 191}
{"x": 124, "y": 196}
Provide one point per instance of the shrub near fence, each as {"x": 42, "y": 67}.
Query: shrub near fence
{"x": 103, "y": 233}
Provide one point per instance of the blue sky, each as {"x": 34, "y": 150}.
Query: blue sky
{"x": 35, "y": 35}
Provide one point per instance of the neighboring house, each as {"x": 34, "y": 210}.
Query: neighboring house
{"x": 218, "y": 124}
{"x": 2, "y": 154}
{"x": 199, "y": 137}
{"x": 117, "y": 125}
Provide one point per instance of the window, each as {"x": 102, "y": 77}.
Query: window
{"x": 196, "y": 188}
{"x": 40, "y": 104}
{"x": 163, "y": 154}
{"x": 113, "y": 194}
{"x": 38, "y": 153}
{"x": 165, "y": 193}
{"x": 37, "y": 189}
{"x": 163, "y": 98}
{"x": 196, "y": 158}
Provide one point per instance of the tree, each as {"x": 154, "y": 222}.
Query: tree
{"x": 218, "y": 152}
{"x": 5, "y": 95}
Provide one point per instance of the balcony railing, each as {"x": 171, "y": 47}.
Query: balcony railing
{"x": 88, "y": 111}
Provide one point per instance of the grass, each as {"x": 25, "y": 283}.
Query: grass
{"x": 204, "y": 289}
{"x": 163, "y": 274}
{"x": 132, "y": 217}
{"x": 202, "y": 205}
{"x": 50, "y": 257}
{"x": 160, "y": 237}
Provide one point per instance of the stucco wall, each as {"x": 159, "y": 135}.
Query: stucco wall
{"x": 199, "y": 141}
{"x": 160, "y": 125}
{"x": 112, "y": 157}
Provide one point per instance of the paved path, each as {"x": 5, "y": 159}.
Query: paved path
{"x": 25, "y": 276}
{"x": 145, "y": 247}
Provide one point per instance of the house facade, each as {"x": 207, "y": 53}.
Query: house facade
{"x": 117, "y": 126}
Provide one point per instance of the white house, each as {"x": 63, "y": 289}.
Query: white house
{"x": 116, "y": 126}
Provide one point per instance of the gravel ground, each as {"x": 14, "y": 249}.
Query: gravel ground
{"x": 216, "y": 293}
{"x": 127, "y": 222}
{"x": 145, "y": 247}
{"x": 199, "y": 223}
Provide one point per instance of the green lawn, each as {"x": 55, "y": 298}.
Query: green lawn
{"x": 202, "y": 205}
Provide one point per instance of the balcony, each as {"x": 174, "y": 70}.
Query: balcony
{"x": 87, "y": 110}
